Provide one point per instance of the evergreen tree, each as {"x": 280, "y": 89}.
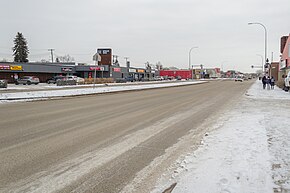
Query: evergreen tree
{"x": 20, "y": 49}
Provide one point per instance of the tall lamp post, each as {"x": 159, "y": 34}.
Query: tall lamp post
{"x": 189, "y": 60}
{"x": 265, "y": 29}
{"x": 262, "y": 59}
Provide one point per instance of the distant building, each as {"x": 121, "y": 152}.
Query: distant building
{"x": 184, "y": 74}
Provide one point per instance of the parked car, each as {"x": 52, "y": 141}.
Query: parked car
{"x": 78, "y": 80}
{"x": 178, "y": 78}
{"x": 159, "y": 78}
{"x": 54, "y": 79}
{"x": 27, "y": 80}
{"x": 3, "y": 83}
{"x": 287, "y": 82}
{"x": 130, "y": 79}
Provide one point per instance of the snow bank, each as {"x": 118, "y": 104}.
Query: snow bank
{"x": 247, "y": 151}
{"x": 85, "y": 91}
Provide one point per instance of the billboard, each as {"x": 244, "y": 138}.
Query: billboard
{"x": 106, "y": 56}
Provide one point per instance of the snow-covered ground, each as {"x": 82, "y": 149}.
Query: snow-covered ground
{"x": 45, "y": 86}
{"x": 33, "y": 95}
{"x": 247, "y": 151}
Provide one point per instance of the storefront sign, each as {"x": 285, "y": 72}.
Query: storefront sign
{"x": 117, "y": 69}
{"x": 67, "y": 69}
{"x": 98, "y": 68}
{"x": 16, "y": 68}
{"x": 4, "y": 67}
{"x": 140, "y": 71}
{"x": 132, "y": 70}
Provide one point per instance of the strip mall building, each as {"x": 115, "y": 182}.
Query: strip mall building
{"x": 44, "y": 71}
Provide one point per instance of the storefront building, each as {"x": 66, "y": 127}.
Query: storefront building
{"x": 44, "y": 71}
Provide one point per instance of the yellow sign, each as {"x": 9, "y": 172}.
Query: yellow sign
{"x": 141, "y": 71}
{"x": 16, "y": 68}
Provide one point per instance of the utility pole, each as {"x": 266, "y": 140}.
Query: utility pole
{"x": 51, "y": 52}
{"x": 126, "y": 59}
{"x": 115, "y": 59}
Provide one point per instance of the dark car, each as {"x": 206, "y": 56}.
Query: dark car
{"x": 130, "y": 79}
{"x": 27, "y": 80}
{"x": 178, "y": 78}
{"x": 54, "y": 79}
{"x": 3, "y": 83}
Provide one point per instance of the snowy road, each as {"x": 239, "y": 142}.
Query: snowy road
{"x": 101, "y": 143}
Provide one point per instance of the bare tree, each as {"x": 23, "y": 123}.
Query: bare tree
{"x": 65, "y": 58}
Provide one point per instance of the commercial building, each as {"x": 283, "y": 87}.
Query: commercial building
{"x": 10, "y": 71}
{"x": 184, "y": 74}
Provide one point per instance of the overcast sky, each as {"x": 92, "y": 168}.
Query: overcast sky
{"x": 148, "y": 30}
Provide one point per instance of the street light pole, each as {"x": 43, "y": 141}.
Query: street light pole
{"x": 189, "y": 61}
{"x": 265, "y": 29}
{"x": 262, "y": 60}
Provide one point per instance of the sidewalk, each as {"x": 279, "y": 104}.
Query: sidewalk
{"x": 247, "y": 151}
{"x": 45, "y": 94}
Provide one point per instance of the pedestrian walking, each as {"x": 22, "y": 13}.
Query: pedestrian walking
{"x": 272, "y": 82}
{"x": 264, "y": 81}
{"x": 268, "y": 82}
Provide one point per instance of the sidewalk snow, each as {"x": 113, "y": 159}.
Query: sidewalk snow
{"x": 248, "y": 150}
{"x": 4, "y": 97}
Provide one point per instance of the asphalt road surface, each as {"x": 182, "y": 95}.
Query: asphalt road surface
{"x": 98, "y": 143}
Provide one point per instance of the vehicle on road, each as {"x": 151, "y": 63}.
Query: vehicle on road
{"x": 239, "y": 78}
{"x": 54, "y": 79}
{"x": 27, "y": 80}
{"x": 3, "y": 83}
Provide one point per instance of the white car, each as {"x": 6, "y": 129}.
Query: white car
{"x": 287, "y": 80}
{"x": 78, "y": 80}
{"x": 239, "y": 79}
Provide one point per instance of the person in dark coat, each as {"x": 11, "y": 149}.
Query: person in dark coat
{"x": 264, "y": 81}
{"x": 272, "y": 82}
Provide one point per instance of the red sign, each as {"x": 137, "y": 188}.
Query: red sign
{"x": 97, "y": 68}
{"x": 4, "y": 67}
{"x": 117, "y": 69}
{"x": 67, "y": 69}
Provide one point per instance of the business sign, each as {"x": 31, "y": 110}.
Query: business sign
{"x": 132, "y": 70}
{"x": 67, "y": 69}
{"x": 4, "y": 67}
{"x": 106, "y": 56}
{"x": 117, "y": 69}
{"x": 16, "y": 68}
{"x": 140, "y": 71}
{"x": 98, "y": 68}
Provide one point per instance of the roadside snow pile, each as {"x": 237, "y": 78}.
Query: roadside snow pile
{"x": 257, "y": 92}
{"x": 86, "y": 91}
{"x": 248, "y": 151}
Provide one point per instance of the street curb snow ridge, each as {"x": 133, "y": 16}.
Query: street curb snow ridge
{"x": 38, "y": 95}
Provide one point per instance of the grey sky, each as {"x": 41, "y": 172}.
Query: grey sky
{"x": 148, "y": 30}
